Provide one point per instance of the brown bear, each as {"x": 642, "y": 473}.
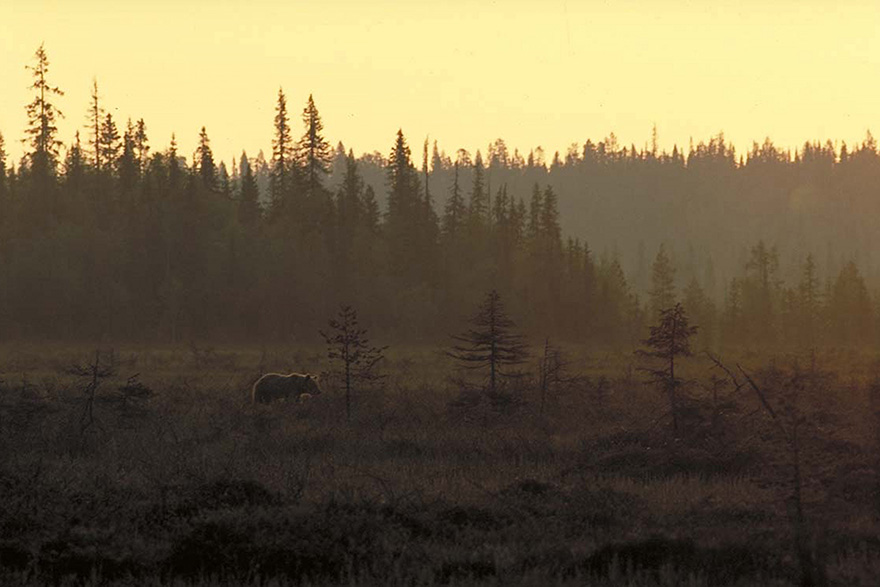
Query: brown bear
{"x": 275, "y": 386}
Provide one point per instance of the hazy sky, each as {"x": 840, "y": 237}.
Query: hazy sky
{"x": 534, "y": 73}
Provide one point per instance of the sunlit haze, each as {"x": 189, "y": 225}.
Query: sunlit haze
{"x": 534, "y": 73}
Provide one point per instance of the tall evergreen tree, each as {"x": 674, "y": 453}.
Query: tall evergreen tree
{"x": 141, "y": 145}
{"x": 314, "y": 153}
{"x": 205, "y": 158}
{"x": 402, "y": 216}
{"x": 2, "y": 171}
{"x": 455, "y": 212}
{"x": 94, "y": 117}
{"x": 662, "y": 294}
{"x": 43, "y": 118}
{"x": 249, "y": 196}
{"x": 109, "y": 143}
{"x": 850, "y": 309}
{"x": 128, "y": 164}
{"x": 809, "y": 302}
{"x": 478, "y": 207}
{"x": 282, "y": 167}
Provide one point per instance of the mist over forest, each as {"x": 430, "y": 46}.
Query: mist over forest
{"x": 116, "y": 235}
{"x": 618, "y": 365}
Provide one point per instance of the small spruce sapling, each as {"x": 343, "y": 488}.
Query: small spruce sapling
{"x": 491, "y": 342}
{"x": 349, "y": 347}
{"x": 669, "y": 339}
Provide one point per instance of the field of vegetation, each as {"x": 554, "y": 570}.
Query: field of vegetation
{"x": 151, "y": 466}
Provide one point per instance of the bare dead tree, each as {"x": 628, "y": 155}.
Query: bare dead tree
{"x": 92, "y": 375}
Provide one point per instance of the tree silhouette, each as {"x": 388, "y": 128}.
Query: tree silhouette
{"x": 95, "y": 114}
{"x": 314, "y": 152}
{"x": 109, "y": 143}
{"x": 43, "y": 117}
{"x": 491, "y": 343}
{"x": 2, "y": 172}
{"x": 282, "y": 155}
{"x": 662, "y": 294}
{"x": 249, "y": 196}
{"x": 669, "y": 339}
{"x": 348, "y": 346}
{"x": 205, "y": 158}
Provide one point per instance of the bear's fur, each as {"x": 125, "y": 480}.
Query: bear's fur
{"x": 275, "y": 386}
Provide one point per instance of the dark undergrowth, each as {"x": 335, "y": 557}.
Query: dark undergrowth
{"x": 173, "y": 479}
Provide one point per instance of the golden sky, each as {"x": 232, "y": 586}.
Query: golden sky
{"x": 465, "y": 73}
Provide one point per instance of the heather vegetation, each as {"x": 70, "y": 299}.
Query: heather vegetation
{"x": 693, "y": 399}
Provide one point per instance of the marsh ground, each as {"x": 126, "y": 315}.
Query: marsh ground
{"x": 168, "y": 475}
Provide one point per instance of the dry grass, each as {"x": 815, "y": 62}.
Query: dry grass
{"x": 194, "y": 485}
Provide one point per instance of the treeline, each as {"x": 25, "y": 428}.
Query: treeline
{"x": 117, "y": 240}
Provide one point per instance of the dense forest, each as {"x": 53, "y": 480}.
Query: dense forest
{"x": 112, "y": 238}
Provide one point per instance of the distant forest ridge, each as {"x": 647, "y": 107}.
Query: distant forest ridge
{"x": 587, "y": 246}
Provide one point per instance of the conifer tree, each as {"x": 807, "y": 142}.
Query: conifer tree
{"x": 454, "y": 214}
{"x": 534, "y": 224}
{"x": 348, "y": 346}
{"x": 669, "y": 340}
{"x": 702, "y": 309}
{"x": 662, "y": 294}
{"x": 372, "y": 215}
{"x": 282, "y": 164}
{"x": 2, "y": 170}
{"x": 248, "y": 199}
{"x": 491, "y": 343}
{"x": 109, "y": 143}
{"x": 128, "y": 164}
{"x": 74, "y": 172}
{"x": 849, "y": 308}
{"x": 403, "y": 217}
{"x": 759, "y": 293}
{"x": 314, "y": 153}
{"x": 94, "y": 117}
{"x": 809, "y": 302}
{"x": 549, "y": 219}
{"x": 348, "y": 199}
{"x": 175, "y": 173}
{"x": 205, "y": 158}
{"x": 141, "y": 145}
{"x": 478, "y": 207}
{"x": 43, "y": 117}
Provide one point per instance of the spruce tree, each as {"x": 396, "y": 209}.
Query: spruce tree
{"x": 662, "y": 294}
{"x": 809, "y": 302}
{"x": 141, "y": 145}
{"x": 249, "y": 196}
{"x": 2, "y": 171}
{"x": 850, "y": 309}
{"x": 455, "y": 211}
{"x": 314, "y": 153}
{"x": 402, "y": 217}
{"x": 282, "y": 164}
{"x": 478, "y": 207}
{"x": 95, "y": 115}
{"x": 128, "y": 164}
{"x": 205, "y": 158}
{"x": 349, "y": 347}
{"x": 109, "y": 143}
{"x": 669, "y": 340}
{"x": 43, "y": 118}
{"x": 491, "y": 343}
